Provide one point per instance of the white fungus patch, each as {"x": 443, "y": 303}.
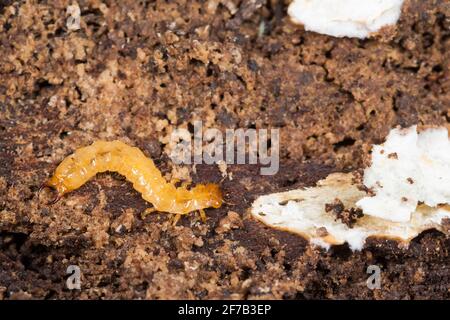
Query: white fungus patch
{"x": 303, "y": 212}
{"x": 409, "y": 183}
{"x": 345, "y": 18}
{"x": 408, "y": 168}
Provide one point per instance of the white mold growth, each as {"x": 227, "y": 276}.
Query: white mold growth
{"x": 345, "y": 18}
{"x": 303, "y": 212}
{"x": 408, "y": 168}
{"x": 409, "y": 183}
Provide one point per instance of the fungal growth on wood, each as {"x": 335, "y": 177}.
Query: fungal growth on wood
{"x": 408, "y": 169}
{"x": 345, "y": 18}
{"x": 408, "y": 194}
{"x": 101, "y": 156}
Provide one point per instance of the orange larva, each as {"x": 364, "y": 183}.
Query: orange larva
{"x": 101, "y": 156}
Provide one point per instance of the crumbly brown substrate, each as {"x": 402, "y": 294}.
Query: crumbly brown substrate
{"x": 136, "y": 70}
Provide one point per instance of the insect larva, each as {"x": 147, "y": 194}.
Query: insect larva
{"x": 101, "y": 156}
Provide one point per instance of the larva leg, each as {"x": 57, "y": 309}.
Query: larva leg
{"x": 202, "y": 215}
{"x": 147, "y": 212}
{"x": 185, "y": 184}
{"x": 175, "y": 219}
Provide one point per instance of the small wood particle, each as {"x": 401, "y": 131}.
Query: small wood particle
{"x": 393, "y": 155}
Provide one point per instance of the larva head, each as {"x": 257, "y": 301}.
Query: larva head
{"x": 56, "y": 184}
{"x": 208, "y": 195}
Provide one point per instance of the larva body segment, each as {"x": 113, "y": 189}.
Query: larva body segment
{"x": 101, "y": 156}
